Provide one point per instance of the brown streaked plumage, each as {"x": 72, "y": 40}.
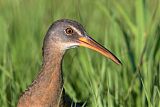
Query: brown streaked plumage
{"x": 47, "y": 89}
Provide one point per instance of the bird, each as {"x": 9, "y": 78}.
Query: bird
{"x": 47, "y": 89}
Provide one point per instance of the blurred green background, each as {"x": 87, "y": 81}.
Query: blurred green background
{"x": 129, "y": 28}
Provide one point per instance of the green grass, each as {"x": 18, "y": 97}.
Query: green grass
{"x": 129, "y": 28}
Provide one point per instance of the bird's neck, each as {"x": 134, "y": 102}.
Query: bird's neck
{"x": 52, "y": 77}
{"x": 47, "y": 89}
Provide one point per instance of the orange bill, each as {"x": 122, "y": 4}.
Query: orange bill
{"x": 92, "y": 44}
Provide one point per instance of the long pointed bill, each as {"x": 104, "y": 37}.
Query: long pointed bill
{"x": 92, "y": 44}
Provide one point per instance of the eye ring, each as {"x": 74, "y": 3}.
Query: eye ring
{"x": 69, "y": 31}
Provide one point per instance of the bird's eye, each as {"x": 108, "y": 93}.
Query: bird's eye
{"x": 69, "y": 31}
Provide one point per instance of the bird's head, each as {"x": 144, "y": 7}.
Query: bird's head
{"x": 67, "y": 33}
